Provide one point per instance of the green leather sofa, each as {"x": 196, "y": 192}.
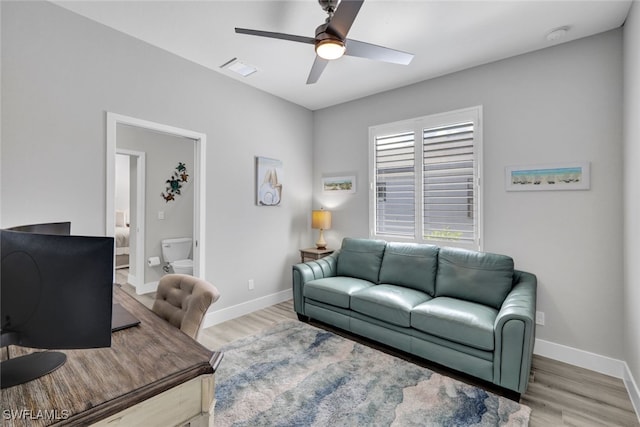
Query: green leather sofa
{"x": 470, "y": 311}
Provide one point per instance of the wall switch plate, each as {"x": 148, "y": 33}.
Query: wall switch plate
{"x": 160, "y": 214}
{"x": 251, "y": 285}
{"x": 540, "y": 318}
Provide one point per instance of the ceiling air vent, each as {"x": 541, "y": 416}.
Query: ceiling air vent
{"x": 239, "y": 67}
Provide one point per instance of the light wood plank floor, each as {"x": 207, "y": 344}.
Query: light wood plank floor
{"x": 559, "y": 394}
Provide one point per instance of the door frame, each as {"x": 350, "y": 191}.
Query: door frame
{"x": 199, "y": 179}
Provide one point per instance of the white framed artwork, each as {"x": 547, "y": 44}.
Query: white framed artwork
{"x": 339, "y": 184}
{"x": 269, "y": 174}
{"x": 546, "y": 177}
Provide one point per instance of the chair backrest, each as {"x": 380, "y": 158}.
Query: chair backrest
{"x": 183, "y": 300}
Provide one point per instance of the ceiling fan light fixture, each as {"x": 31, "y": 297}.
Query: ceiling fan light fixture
{"x": 330, "y": 49}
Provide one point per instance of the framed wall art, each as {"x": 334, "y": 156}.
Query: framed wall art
{"x": 269, "y": 174}
{"x": 339, "y": 184}
{"x": 546, "y": 177}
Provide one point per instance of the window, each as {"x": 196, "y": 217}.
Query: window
{"x": 425, "y": 176}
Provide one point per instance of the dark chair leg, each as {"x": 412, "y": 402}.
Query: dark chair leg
{"x": 303, "y": 318}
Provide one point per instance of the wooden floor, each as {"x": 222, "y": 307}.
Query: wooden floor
{"x": 558, "y": 394}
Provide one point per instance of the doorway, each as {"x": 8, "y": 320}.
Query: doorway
{"x": 140, "y": 258}
{"x": 130, "y": 216}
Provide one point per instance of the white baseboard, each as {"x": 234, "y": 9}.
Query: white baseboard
{"x": 146, "y": 288}
{"x": 218, "y": 316}
{"x": 632, "y": 389}
{"x": 594, "y": 362}
{"x": 583, "y": 359}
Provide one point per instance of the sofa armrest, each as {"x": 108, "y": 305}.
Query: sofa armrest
{"x": 311, "y": 270}
{"x": 514, "y": 332}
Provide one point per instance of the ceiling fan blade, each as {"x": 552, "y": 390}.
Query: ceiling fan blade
{"x": 316, "y": 70}
{"x": 377, "y": 53}
{"x": 282, "y": 36}
{"x": 343, "y": 17}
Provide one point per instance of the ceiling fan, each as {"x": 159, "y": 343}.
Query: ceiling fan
{"x": 331, "y": 40}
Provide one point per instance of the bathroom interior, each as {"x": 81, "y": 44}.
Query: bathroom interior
{"x": 157, "y": 170}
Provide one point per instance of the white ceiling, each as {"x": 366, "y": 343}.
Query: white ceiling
{"x": 445, "y": 36}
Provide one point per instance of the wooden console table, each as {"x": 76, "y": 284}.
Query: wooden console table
{"x": 153, "y": 374}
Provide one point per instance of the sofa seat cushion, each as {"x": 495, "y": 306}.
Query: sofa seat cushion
{"x": 411, "y": 265}
{"x": 479, "y": 277}
{"x": 334, "y": 290}
{"x": 457, "y": 320}
{"x": 389, "y": 303}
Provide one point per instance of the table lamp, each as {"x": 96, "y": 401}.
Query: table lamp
{"x": 321, "y": 220}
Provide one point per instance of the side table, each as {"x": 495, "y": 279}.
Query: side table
{"x": 311, "y": 254}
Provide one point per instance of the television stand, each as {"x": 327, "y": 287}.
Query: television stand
{"x": 25, "y": 368}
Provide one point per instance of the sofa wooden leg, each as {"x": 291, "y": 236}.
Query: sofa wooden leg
{"x": 303, "y": 318}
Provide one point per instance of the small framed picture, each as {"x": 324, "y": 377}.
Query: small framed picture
{"x": 339, "y": 184}
{"x": 562, "y": 176}
{"x": 269, "y": 174}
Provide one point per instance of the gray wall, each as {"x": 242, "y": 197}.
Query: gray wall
{"x": 555, "y": 105}
{"x": 62, "y": 72}
{"x": 632, "y": 192}
{"x": 122, "y": 183}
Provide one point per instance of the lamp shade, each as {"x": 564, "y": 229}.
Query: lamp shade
{"x": 321, "y": 219}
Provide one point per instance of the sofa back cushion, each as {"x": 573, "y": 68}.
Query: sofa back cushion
{"x": 479, "y": 277}
{"x": 410, "y": 265}
{"x": 361, "y": 258}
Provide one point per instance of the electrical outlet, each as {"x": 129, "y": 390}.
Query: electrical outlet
{"x": 540, "y": 318}
{"x": 250, "y": 284}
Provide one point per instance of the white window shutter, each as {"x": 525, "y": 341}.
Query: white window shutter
{"x": 425, "y": 176}
{"x": 449, "y": 183}
{"x": 395, "y": 191}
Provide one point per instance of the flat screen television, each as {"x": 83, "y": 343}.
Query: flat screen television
{"x": 56, "y": 293}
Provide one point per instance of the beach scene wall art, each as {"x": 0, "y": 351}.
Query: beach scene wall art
{"x": 339, "y": 184}
{"x": 564, "y": 176}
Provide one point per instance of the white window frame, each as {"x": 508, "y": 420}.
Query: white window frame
{"x": 417, "y": 125}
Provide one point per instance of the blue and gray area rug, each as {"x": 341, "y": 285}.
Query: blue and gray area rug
{"x": 294, "y": 374}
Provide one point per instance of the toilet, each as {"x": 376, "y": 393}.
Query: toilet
{"x": 176, "y": 252}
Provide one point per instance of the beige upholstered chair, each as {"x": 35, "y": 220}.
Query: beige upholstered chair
{"x": 183, "y": 300}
